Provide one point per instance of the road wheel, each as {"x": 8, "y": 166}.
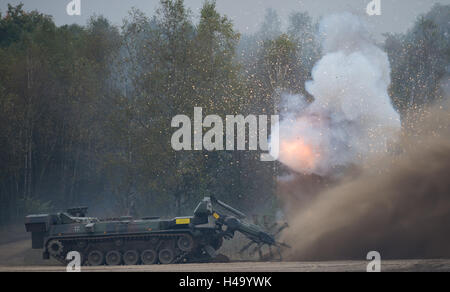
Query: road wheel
{"x": 149, "y": 257}
{"x": 95, "y": 258}
{"x": 55, "y": 247}
{"x": 185, "y": 243}
{"x": 166, "y": 256}
{"x": 113, "y": 258}
{"x": 130, "y": 257}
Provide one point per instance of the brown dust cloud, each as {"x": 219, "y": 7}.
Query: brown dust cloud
{"x": 361, "y": 180}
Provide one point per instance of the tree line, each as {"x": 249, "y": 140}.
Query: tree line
{"x": 85, "y": 111}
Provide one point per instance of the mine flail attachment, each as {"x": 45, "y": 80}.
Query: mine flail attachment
{"x": 281, "y": 228}
{"x": 257, "y": 244}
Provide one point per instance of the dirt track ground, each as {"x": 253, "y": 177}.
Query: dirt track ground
{"x": 17, "y": 256}
{"x": 338, "y": 266}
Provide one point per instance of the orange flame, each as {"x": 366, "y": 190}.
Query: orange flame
{"x": 297, "y": 155}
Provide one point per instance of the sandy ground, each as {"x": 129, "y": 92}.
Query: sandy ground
{"x": 17, "y": 256}
{"x": 336, "y": 266}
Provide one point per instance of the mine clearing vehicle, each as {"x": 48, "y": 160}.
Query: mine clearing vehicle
{"x": 148, "y": 240}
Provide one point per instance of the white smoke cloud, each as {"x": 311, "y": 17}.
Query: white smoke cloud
{"x": 351, "y": 115}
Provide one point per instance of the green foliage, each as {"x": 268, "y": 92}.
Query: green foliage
{"x": 278, "y": 57}
{"x": 51, "y": 92}
{"x": 174, "y": 66}
{"x": 18, "y": 24}
{"x": 34, "y": 206}
{"x": 420, "y": 60}
{"x": 85, "y": 111}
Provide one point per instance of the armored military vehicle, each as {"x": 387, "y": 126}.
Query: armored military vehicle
{"x": 146, "y": 241}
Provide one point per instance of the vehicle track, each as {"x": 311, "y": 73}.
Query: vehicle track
{"x": 19, "y": 257}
